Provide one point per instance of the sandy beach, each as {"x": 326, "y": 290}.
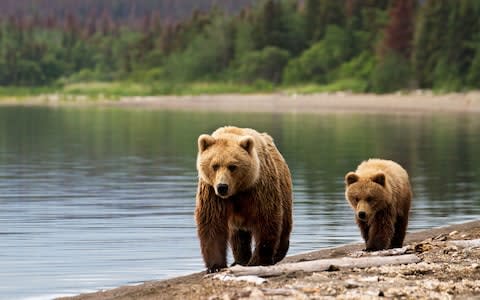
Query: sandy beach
{"x": 414, "y": 102}
{"x": 315, "y": 103}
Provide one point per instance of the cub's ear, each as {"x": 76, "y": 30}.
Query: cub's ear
{"x": 205, "y": 141}
{"x": 350, "y": 178}
{"x": 379, "y": 178}
{"x": 247, "y": 143}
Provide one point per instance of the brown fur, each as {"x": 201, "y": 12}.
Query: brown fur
{"x": 380, "y": 194}
{"x": 257, "y": 204}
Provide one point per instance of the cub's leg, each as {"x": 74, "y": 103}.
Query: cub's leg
{"x": 400, "y": 230}
{"x": 381, "y": 232}
{"x": 364, "y": 228}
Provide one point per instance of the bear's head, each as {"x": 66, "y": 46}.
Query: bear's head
{"x": 366, "y": 194}
{"x": 228, "y": 163}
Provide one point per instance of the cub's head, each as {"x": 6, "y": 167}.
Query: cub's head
{"x": 229, "y": 163}
{"x": 366, "y": 195}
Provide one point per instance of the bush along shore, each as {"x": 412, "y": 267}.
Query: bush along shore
{"x": 438, "y": 263}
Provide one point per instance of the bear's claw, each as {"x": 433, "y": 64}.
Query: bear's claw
{"x": 213, "y": 270}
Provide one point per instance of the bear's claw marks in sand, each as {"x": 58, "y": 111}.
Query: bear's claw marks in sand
{"x": 380, "y": 194}
{"x": 244, "y": 193}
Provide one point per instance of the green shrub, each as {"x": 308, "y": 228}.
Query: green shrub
{"x": 266, "y": 64}
{"x": 360, "y": 67}
{"x": 317, "y": 63}
{"x": 473, "y": 76}
{"x": 341, "y": 85}
{"x": 446, "y": 77}
{"x": 391, "y": 74}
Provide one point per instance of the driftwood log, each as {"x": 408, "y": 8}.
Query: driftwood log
{"x": 466, "y": 243}
{"x": 323, "y": 265}
{"x": 388, "y": 252}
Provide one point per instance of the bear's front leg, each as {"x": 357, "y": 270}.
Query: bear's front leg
{"x": 212, "y": 229}
{"x": 400, "y": 230}
{"x": 381, "y": 232}
{"x": 213, "y": 242}
{"x": 241, "y": 242}
{"x": 363, "y": 226}
{"x": 266, "y": 241}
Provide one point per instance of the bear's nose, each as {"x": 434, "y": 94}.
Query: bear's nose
{"x": 362, "y": 215}
{"x": 222, "y": 189}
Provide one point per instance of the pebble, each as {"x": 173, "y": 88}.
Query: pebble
{"x": 351, "y": 284}
{"x": 453, "y": 233}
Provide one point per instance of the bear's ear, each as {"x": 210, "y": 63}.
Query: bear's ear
{"x": 247, "y": 143}
{"x": 350, "y": 178}
{"x": 379, "y": 178}
{"x": 205, "y": 141}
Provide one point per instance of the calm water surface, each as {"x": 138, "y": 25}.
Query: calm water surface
{"x": 97, "y": 198}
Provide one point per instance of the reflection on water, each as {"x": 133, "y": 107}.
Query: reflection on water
{"x": 96, "y": 198}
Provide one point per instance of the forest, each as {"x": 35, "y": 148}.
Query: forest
{"x": 375, "y": 46}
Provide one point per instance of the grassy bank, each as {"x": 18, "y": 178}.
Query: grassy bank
{"x": 115, "y": 90}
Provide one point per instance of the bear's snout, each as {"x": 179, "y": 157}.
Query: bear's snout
{"x": 362, "y": 215}
{"x": 222, "y": 189}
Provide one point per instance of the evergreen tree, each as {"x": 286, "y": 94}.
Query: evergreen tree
{"x": 430, "y": 39}
{"x": 312, "y": 13}
{"x": 270, "y": 27}
{"x": 399, "y": 32}
{"x": 445, "y": 43}
{"x": 321, "y": 13}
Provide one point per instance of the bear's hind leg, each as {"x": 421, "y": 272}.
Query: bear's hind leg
{"x": 241, "y": 242}
{"x": 284, "y": 244}
{"x": 282, "y": 250}
{"x": 400, "y": 230}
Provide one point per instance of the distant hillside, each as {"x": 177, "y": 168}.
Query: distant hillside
{"x": 116, "y": 9}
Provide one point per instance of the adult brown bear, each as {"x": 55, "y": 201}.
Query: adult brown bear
{"x": 244, "y": 191}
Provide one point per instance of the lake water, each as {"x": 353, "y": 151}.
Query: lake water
{"x": 97, "y": 198}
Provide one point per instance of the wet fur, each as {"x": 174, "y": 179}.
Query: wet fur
{"x": 259, "y": 208}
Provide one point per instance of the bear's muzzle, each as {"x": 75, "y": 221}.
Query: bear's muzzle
{"x": 222, "y": 189}
{"x": 362, "y": 215}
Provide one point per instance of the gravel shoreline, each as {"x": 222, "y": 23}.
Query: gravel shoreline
{"x": 414, "y": 102}
{"x": 445, "y": 271}
{"x": 315, "y": 103}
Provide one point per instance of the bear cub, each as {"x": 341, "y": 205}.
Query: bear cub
{"x": 244, "y": 193}
{"x": 380, "y": 194}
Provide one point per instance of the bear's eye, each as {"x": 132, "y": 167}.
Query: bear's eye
{"x": 215, "y": 167}
{"x": 232, "y": 168}
{"x": 369, "y": 199}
